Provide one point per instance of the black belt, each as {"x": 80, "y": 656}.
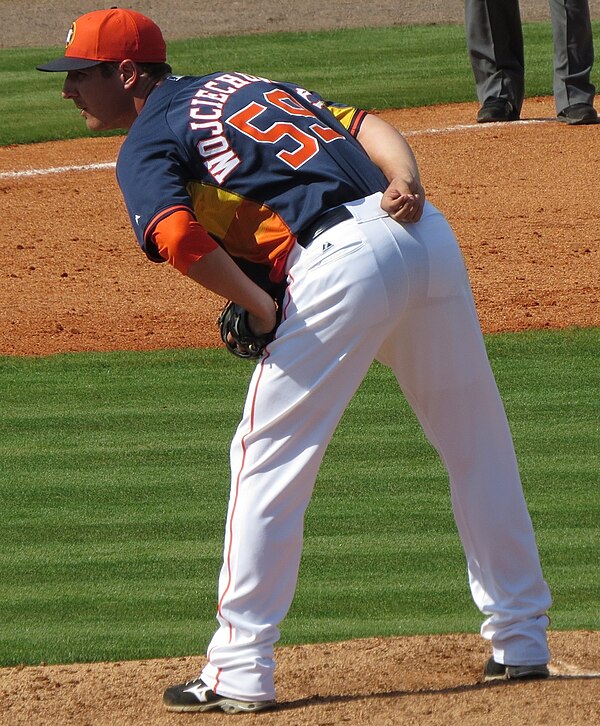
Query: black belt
{"x": 321, "y": 224}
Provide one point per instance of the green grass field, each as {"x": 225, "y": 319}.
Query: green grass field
{"x": 114, "y": 466}
{"x": 373, "y": 68}
{"x": 114, "y": 493}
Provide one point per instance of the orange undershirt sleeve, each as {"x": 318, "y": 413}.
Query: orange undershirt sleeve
{"x": 181, "y": 240}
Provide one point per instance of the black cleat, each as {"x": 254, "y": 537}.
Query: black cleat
{"x": 500, "y": 672}
{"x": 195, "y": 695}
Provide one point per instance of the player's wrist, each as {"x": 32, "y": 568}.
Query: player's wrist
{"x": 264, "y": 322}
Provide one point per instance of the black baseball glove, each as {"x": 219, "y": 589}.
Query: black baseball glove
{"x": 237, "y": 335}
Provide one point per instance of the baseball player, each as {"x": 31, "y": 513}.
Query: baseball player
{"x": 310, "y": 216}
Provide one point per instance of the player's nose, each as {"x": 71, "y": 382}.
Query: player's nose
{"x": 68, "y": 89}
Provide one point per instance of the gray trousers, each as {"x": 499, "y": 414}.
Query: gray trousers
{"x": 495, "y": 44}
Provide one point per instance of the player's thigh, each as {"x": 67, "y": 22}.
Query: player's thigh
{"x": 437, "y": 343}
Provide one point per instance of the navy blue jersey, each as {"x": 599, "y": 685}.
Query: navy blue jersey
{"x": 255, "y": 160}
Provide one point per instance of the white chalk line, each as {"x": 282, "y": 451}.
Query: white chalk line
{"x": 56, "y": 170}
{"x": 23, "y": 173}
{"x": 477, "y": 127}
{"x": 565, "y": 670}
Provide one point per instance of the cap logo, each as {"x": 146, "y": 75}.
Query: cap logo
{"x": 70, "y": 35}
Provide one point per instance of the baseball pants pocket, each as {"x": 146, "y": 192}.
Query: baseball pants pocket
{"x": 336, "y": 285}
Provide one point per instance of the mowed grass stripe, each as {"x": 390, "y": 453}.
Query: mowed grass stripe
{"x": 115, "y": 483}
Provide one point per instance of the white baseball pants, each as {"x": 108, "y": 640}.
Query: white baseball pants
{"x": 371, "y": 288}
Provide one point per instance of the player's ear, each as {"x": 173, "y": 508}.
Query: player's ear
{"x": 129, "y": 73}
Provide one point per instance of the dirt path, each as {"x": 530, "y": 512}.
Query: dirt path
{"x": 519, "y": 197}
{"x": 417, "y": 681}
{"x": 45, "y": 22}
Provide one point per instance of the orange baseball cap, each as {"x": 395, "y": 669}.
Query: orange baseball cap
{"x": 110, "y": 35}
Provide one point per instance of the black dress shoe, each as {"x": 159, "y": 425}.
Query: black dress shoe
{"x": 497, "y": 109}
{"x": 579, "y": 114}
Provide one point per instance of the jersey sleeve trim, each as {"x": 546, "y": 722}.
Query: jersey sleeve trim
{"x": 149, "y": 246}
{"x": 357, "y": 122}
{"x": 351, "y": 118}
{"x": 182, "y": 240}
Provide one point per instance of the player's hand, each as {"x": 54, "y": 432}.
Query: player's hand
{"x": 266, "y": 322}
{"x": 404, "y": 200}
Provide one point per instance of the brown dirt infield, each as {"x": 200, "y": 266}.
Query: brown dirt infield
{"x": 407, "y": 681}
{"x": 523, "y": 200}
{"x": 521, "y": 197}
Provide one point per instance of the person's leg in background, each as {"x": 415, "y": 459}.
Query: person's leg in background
{"x": 495, "y": 45}
{"x": 573, "y": 61}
